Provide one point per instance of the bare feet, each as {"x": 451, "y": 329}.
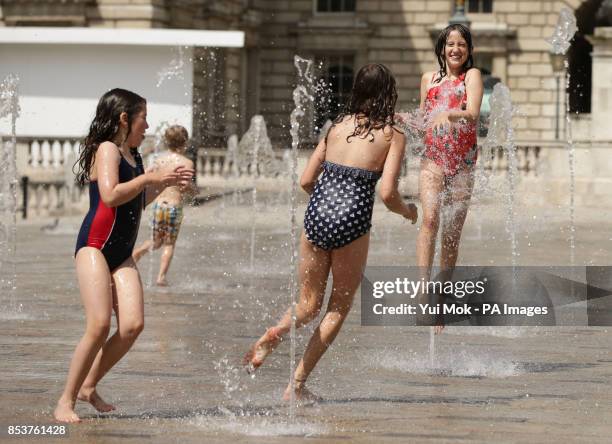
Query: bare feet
{"x": 64, "y": 412}
{"x": 261, "y": 349}
{"x": 91, "y": 396}
{"x": 301, "y": 393}
{"x": 161, "y": 282}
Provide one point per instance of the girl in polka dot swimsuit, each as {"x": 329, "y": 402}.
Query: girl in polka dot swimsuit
{"x": 361, "y": 147}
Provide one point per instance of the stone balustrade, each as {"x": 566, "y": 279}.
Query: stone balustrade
{"x": 48, "y": 162}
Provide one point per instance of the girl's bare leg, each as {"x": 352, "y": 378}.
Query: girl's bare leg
{"x": 129, "y": 308}
{"x": 164, "y": 264}
{"x": 147, "y": 246}
{"x": 431, "y": 188}
{"x": 347, "y": 264}
{"x": 313, "y": 271}
{"x": 96, "y": 294}
{"x": 459, "y": 193}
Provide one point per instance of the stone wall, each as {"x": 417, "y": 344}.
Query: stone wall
{"x": 400, "y": 34}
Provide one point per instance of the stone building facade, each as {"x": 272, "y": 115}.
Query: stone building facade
{"x": 340, "y": 35}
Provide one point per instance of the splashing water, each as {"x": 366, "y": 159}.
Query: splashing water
{"x": 255, "y": 152}
{"x": 174, "y": 70}
{"x": 564, "y": 32}
{"x": 9, "y": 107}
{"x": 260, "y": 425}
{"x": 571, "y": 153}
{"x": 158, "y": 140}
{"x": 232, "y": 160}
{"x": 158, "y": 145}
{"x": 458, "y": 363}
{"x": 501, "y": 134}
{"x": 232, "y": 154}
{"x": 237, "y": 414}
{"x": 301, "y": 97}
{"x": 413, "y": 124}
{"x": 561, "y": 41}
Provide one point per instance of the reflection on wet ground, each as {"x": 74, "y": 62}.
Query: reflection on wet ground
{"x": 182, "y": 381}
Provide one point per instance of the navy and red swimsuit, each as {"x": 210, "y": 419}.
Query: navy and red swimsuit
{"x": 113, "y": 231}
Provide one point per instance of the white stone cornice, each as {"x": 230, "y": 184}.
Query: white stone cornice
{"x": 121, "y": 36}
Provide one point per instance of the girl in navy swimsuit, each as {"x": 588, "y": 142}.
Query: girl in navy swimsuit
{"x": 119, "y": 189}
{"x": 361, "y": 147}
{"x": 113, "y": 230}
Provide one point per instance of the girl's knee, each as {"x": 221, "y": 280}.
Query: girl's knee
{"x": 335, "y": 316}
{"x": 312, "y": 305}
{"x": 431, "y": 222}
{"x": 132, "y": 329}
{"x": 341, "y": 309}
{"x": 98, "y": 329}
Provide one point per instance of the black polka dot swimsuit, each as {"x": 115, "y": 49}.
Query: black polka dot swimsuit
{"x": 340, "y": 207}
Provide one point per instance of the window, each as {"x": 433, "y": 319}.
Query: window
{"x": 484, "y": 62}
{"x": 336, "y": 5}
{"x": 485, "y": 6}
{"x": 336, "y": 73}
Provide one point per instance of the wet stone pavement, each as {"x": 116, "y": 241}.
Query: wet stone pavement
{"x": 182, "y": 381}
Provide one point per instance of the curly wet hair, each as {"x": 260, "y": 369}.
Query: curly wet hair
{"x": 372, "y": 98}
{"x": 176, "y": 137}
{"x": 105, "y": 127}
{"x": 441, "y": 44}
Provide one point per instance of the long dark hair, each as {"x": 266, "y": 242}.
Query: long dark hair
{"x": 441, "y": 44}
{"x": 373, "y": 96}
{"x": 105, "y": 126}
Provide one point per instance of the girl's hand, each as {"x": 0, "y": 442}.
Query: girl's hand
{"x": 179, "y": 176}
{"x": 411, "y": 121}
{"x": 412, "y": 213}
{"x": 440, "y": 124}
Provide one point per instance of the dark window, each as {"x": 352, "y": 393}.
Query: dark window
{"x": 336, "y": 5}
{"x": 484, "y": 62}
{"x": 336, "y": 73}
{"x": 485, "y": 6}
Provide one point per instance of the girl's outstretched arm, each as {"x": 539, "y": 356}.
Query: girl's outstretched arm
{"x": 114, "y": 193}
{"x": 313, "y": 168}
{"x": 475, "y": 91}
{"x": 390, "y": 179}
{"x": 166, "y": 176}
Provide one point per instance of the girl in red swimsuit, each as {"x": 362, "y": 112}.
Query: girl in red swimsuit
{"x": 450, "y": 101}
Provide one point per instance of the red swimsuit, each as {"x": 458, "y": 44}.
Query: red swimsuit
{"x": 450, "y": 149}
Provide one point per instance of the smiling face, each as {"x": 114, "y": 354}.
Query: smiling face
{"x": 138, "y": 127}
{"x": 456, "y": 50}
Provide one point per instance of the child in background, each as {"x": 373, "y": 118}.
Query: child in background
{"x": 168, "y": 207}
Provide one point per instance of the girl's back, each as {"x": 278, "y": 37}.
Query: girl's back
{"x": 368, "y": 153}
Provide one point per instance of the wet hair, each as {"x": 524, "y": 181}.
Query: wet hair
{"x": 374, "y": 97}
{"x": 441, "y": 45}
{"x": 105, "y": 126}
{"x": 176, "y": 137}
